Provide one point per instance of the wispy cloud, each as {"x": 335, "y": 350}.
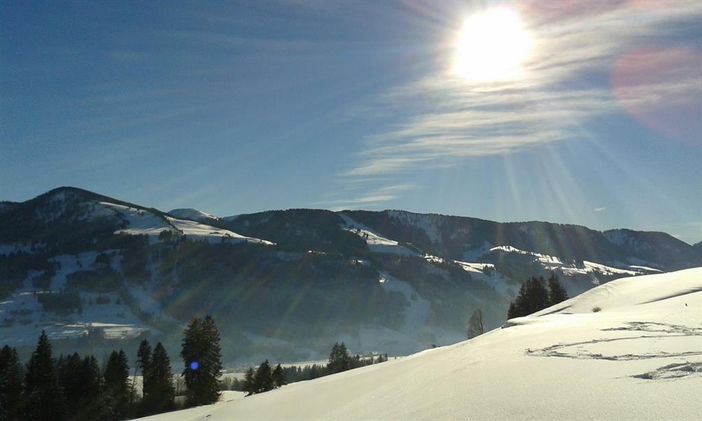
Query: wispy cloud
{"x": 365, "y": 199}
{"x": 602, "y": 209}
{"x": 583, "y": 68}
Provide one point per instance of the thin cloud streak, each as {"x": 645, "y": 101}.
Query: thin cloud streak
{"x": 565, "y": 85}
{"x": 365, "y": 199}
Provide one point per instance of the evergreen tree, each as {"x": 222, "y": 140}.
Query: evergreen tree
{"x": 319, "y": 371}
{"x": 81, "y": 383}
{"x": 69, "y": 376}
{"x": 556, "y": 293}
{"x": 93, "y": 398}
{"x": 263, "y": 380}
{"x": 162, "y": 393}
{"x": 116, "y": 376}
{"x": 339, "y": 359}
{"x": 143, "y": 363}
{"x": 475, "y": 324}
{"x": 10, "y": 385}
{"x": 355, "y": 362}
{"x": 278, "y": 376}
{"x": 249, "y": 382}
{"x": 202, "y": 356}
{"x": 43, "y": 396}
{"x": 533, "y": 296}
{"x": 512, "y": 311}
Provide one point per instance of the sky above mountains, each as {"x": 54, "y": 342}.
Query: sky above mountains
{"x": 570, "y": 111}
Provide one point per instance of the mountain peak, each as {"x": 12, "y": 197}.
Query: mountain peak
{"x": 67, "y": 191}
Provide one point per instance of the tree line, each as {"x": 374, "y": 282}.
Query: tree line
{"x": 537, "y": 294}
{"x": 263, "y": 378}
{"x": 72, "y": 387}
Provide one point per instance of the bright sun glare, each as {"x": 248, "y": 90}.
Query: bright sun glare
{"x": 492, "y": 46}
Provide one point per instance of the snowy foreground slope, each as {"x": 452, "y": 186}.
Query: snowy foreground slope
{"x": 638, "y": 357}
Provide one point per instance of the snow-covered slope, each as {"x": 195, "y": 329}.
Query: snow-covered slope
{"x": 570, "y": 268}
{"x": 194, "y": 214}
{"x": 141, "y": 222}
{"x": 197, "y": 231}
{"x": 627, "y": 350}
{"x": 376, "y": 243}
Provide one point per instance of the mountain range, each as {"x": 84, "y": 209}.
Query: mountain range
{"x": 286, "y": 284}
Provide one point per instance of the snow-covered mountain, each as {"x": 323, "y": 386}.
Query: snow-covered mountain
{"x": 67, "y": 258}
{"x": 463, "y": 238}
{"x": 66, "y": 215}
{"x": 627, "y": 350}
{"x": 286, "y": 284}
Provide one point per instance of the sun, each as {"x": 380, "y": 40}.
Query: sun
{"x": 492, "y": 46}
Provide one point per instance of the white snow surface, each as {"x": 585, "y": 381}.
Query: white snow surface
{"x": 474, "y": 267}
{"x": 553, "y": 262}
{"x": 376, "y": 242}
{"x": 194, "y": 214}
{"x": 21, "y": 314}
{"x": 638, "y": 358}
{"x": 197, "y": 231}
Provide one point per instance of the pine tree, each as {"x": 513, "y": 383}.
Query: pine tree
{"x": 43, "y": 396}
{"x": 475, "y": 324}
{"x": 162, "y": 393}
{"x": 279, "y": 376}
{"x": 143, "y": 364}
{"x": 202, "y": 356}
{"x": 116, "y": 376}
{"x": 512, "y": 311}
{"x": 69, "y": 376}
{"x": 557, "y": 293}
{"x": 93, "y": 397}
{"x": 249, "y": 382}
{"x": 533, "y": 296}
{"x": 263, "y": 380}
{"x": 80, "y": 380}
{"x": 212, "y": 358}
{"x": 10, "y": 384}
{"x": 339, "y": 359}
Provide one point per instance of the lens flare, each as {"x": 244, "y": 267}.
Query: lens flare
{"x": 662, "y": 89}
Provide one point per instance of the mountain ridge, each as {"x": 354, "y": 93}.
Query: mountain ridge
{"x": 289, "y": 282}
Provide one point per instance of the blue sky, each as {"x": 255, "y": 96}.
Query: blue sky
{"x": 245, "y": 106}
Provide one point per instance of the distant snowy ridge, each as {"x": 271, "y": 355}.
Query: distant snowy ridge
{"x": 194, "y": 214}
{"x": 553, "y": 263}
{"x": 374, "y": 270}
{"x": 197, "y": 231}
{"x": 140, "y": 222}
{"x": 376, "y": 242}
